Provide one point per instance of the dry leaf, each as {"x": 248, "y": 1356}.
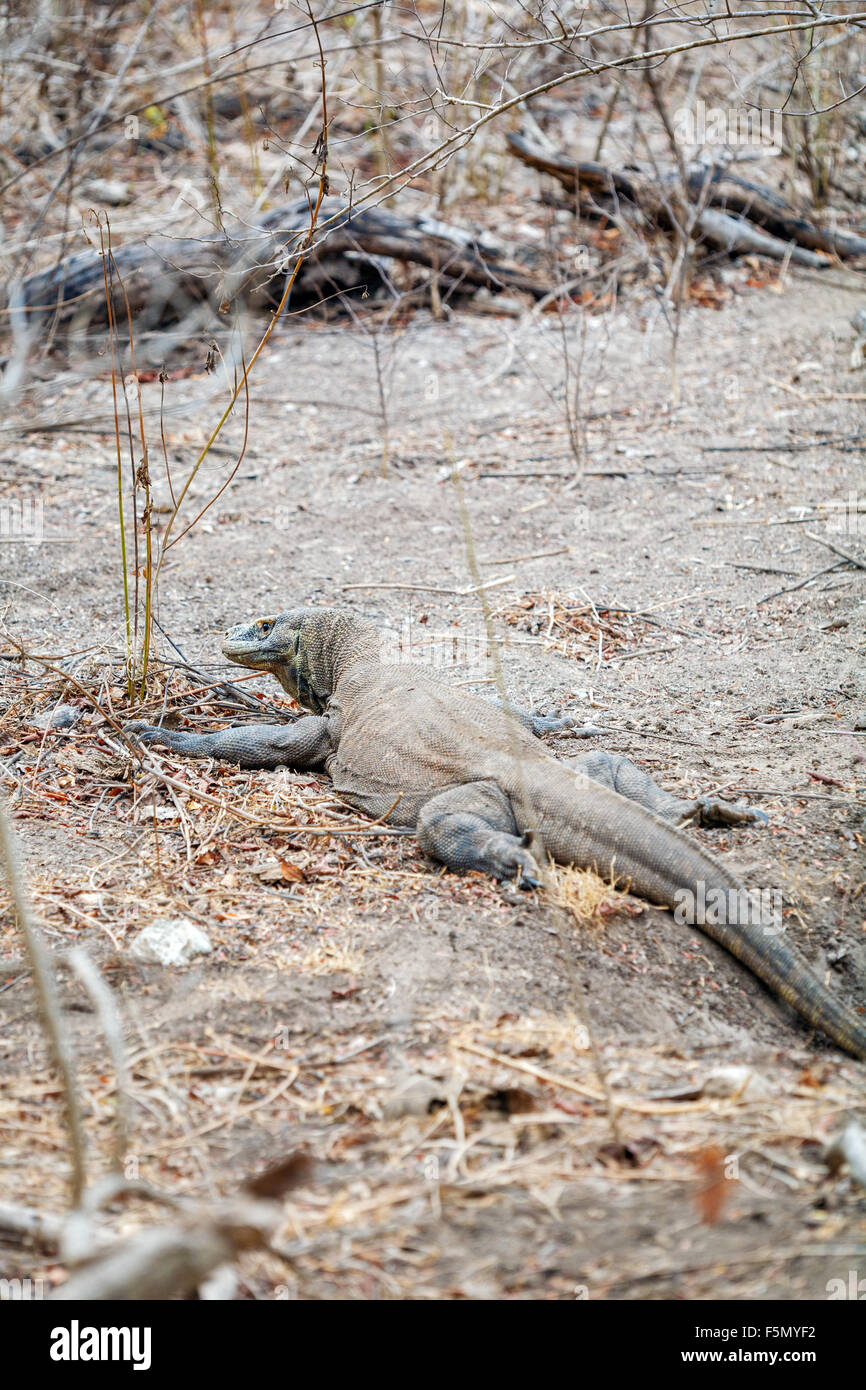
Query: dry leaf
{"x": 713, "y": 1186}
{"x": 295, "y": 1171}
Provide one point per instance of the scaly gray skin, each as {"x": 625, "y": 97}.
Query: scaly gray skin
{"x": 477, "y": 786}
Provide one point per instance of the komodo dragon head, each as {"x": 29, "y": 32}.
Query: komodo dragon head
{"x": 307, "y": 649}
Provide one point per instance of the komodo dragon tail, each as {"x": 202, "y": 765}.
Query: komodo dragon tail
{"x": 588, "y": 825}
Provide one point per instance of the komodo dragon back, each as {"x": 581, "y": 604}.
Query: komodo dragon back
{"x": 397, "y": 737}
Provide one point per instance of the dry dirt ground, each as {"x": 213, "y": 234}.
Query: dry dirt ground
{"x": 343, "y": 966}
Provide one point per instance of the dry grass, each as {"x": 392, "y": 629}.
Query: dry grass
{"x": 590, "y": 900}
{"x": 331, "y": 958}
{"x": 575, "y": 628}
{"x": 516, "y": 1116}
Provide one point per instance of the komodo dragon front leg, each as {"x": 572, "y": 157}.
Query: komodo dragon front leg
{"x": 623, "y": 776}
{"x": 305, "y": 744}
{"x": 540, "y": 724}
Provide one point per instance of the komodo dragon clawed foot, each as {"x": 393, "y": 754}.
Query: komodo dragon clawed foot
{"x": 142, "y": 732}
{"x": 710, "y": 810}
{"x": 541, "y": 724}
{"x": 472, "y": 827}
{"x": 303, "y": 744}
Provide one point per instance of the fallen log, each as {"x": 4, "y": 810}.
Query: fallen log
{"x": 733, "y": 194}
{"x": 164, "y": 279}
{"x": 737, "y": 206}
{"x": 734, "y": 235}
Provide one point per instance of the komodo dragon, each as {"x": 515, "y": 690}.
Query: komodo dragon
{"x": 402, "y": 745}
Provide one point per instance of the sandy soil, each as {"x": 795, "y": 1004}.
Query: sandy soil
{"x": 368, "y": 965}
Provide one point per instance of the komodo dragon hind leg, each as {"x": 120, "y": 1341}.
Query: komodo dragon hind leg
{"x": 304, "y": 744}
{"x": 621, "y": 775}
{"x": 472, "y": 826}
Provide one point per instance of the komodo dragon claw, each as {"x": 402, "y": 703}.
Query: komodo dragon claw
{"x": 712, "y": 811}
{"x": 142, "y": 732}
{"x": 565, "y": 724}
{"x": 506, "y": 857}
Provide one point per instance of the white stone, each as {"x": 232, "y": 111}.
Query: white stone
{"x": 112, "y": 191}
{"x": 170, "y": 941}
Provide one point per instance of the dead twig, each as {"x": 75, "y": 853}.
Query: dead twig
{"x": 49, "y": 1004}
{"x": 169, "y": 1261}
{"x": 110, "y": 1022}
{"x": 792, "y": 588}
{"x": 837, "y": 550}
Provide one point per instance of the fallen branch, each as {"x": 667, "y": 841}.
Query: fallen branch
{"x": 735, "y": 209}
{"x": 25, "y": 1223}
{"x": 792, "y": 588}
{"x": 837, "y": 550}
{"x": 167, "y": 279}
{"x": 737, "y": 237}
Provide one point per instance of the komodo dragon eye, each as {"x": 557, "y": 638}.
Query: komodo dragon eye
{"x": 264, "y": 628}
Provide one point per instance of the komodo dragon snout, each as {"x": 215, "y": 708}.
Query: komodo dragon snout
{"x": 296, "y": 650}
{"x": 469, "y": 776}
